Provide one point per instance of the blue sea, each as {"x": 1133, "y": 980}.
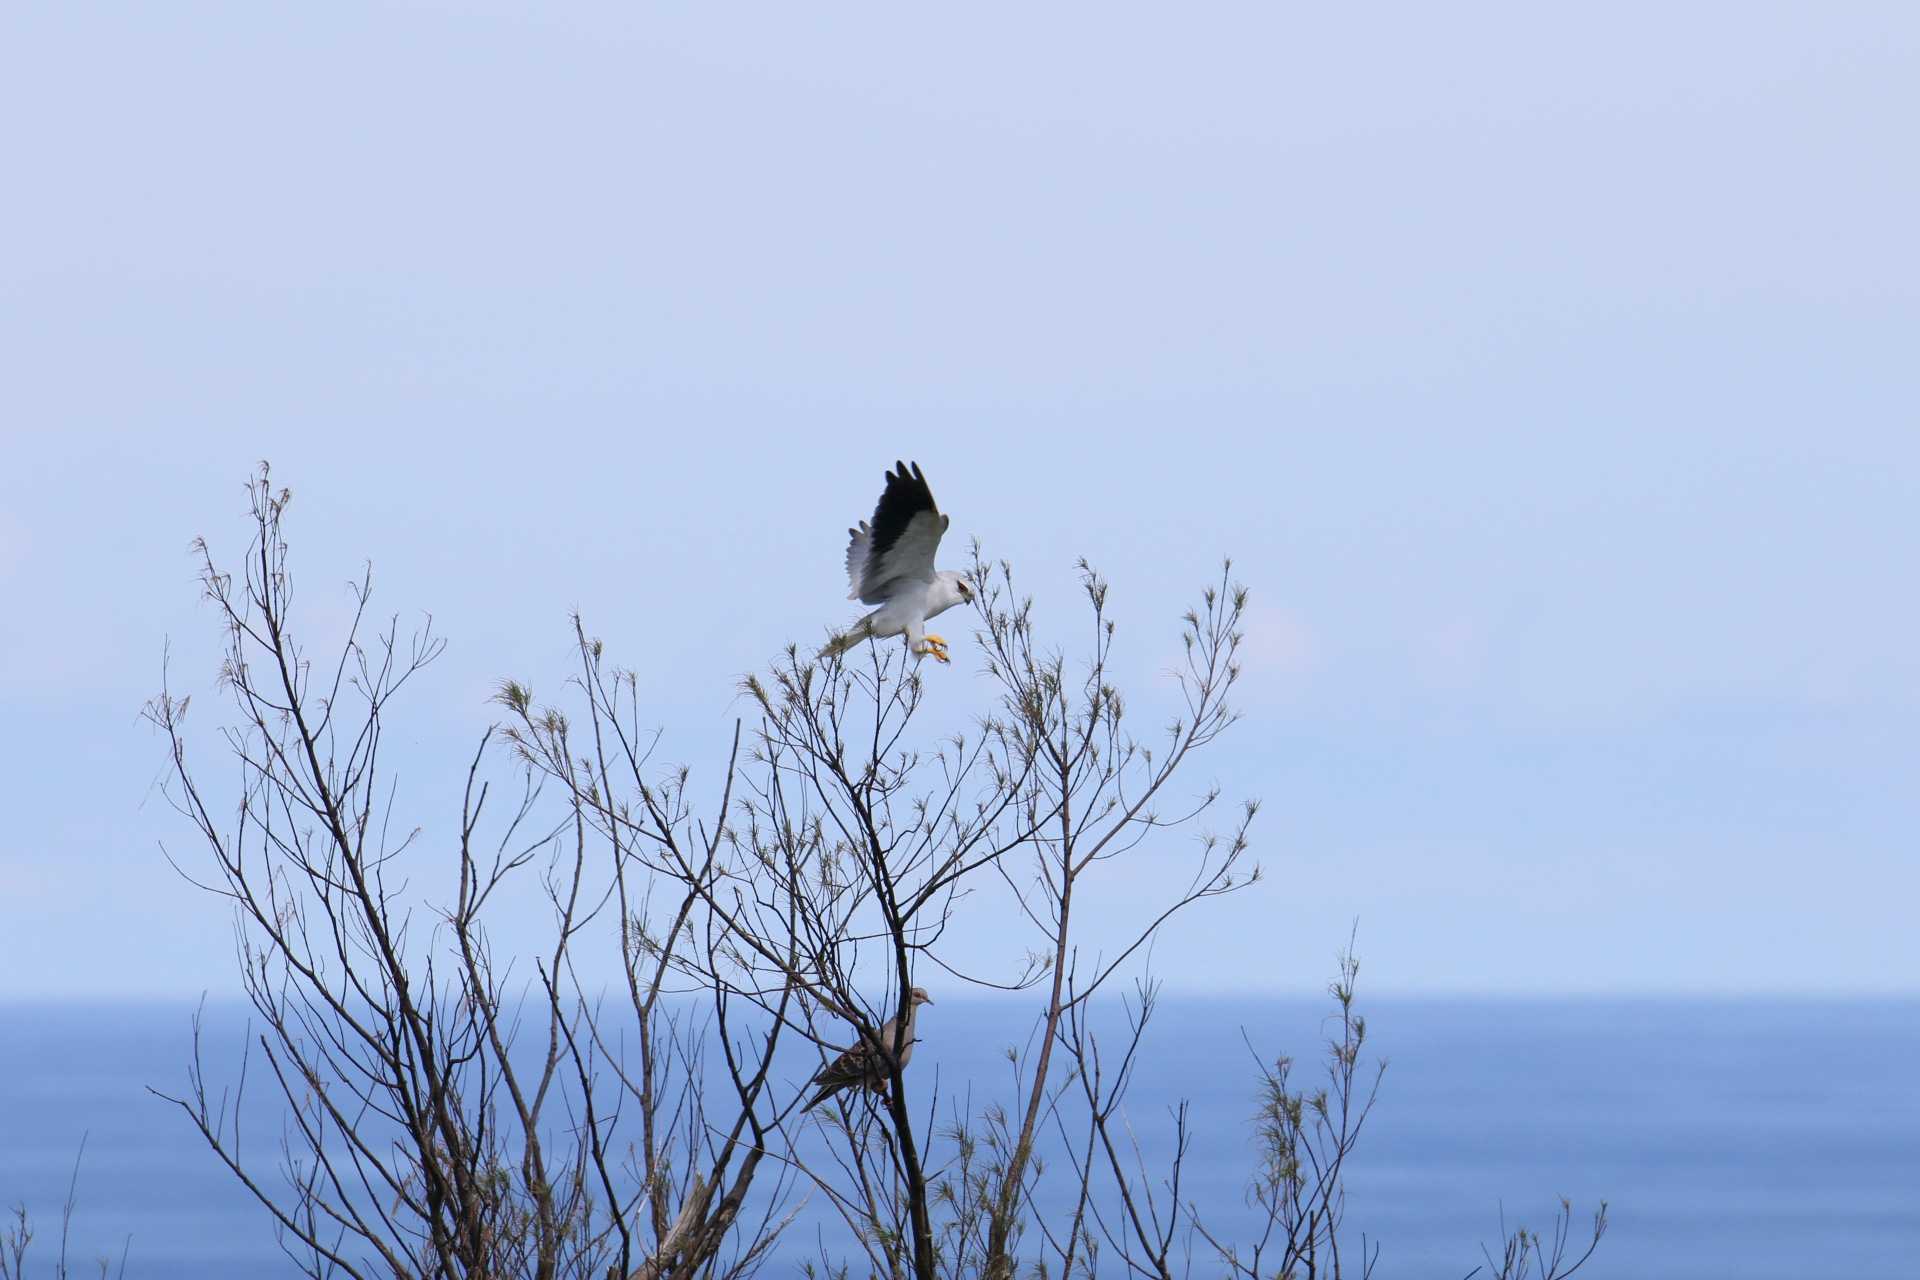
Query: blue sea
{"x": 1758, "y": 1139}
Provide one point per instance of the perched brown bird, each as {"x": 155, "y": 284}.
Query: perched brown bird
{"x": 862, "y": 1065}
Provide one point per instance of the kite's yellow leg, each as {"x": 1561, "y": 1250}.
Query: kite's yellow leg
{"x": 937, "y": 641}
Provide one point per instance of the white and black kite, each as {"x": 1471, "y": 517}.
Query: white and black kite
{"x": 890, "y": 563}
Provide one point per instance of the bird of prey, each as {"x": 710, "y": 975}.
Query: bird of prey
{"x": 864, "y": 1066}
{"x": 890, "y": 563}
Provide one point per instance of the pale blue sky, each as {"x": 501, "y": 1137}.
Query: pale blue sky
{"x": 1551, "y": 377}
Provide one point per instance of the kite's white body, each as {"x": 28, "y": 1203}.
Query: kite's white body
{"x": 907, "y": 610}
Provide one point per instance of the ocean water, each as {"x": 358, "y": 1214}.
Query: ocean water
{"x": 1765, "y": 1140}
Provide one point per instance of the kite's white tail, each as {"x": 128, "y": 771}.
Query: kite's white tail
{"x": 847, "y": 639}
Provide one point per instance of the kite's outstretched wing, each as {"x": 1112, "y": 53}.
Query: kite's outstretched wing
{"x": 899, "y": 541}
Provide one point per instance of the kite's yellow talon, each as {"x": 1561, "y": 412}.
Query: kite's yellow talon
{"x": 938, "y": 641}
